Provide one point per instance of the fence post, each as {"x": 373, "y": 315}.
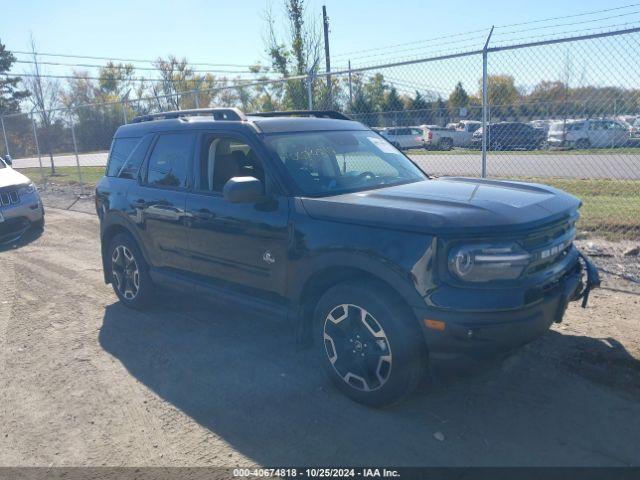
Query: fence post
{"x": 4, "y": 132}
{"x": 350, "y": 89}
{"x": 35, "y": 138}
{"x": 75, "y": 149}
{"x": 309, "y": 92}
{"x": 485, "y": 104}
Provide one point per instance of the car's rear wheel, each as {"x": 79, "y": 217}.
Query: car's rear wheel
{"x": 446, "y": 144}
{"x": 583, "y": 143}
{"x": 369, "y": 343}
{"x": 129, "y": 272}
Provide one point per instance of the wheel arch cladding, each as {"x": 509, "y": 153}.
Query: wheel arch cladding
{"x": 322, "y": 280}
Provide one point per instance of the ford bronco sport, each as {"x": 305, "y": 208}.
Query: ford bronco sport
{"x": 315, "y": 218}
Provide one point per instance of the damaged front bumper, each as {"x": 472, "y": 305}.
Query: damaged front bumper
{"x": 499, "y": 331}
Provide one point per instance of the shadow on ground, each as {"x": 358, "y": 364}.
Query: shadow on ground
{"x": 240, "y": 377}
{"x": 28, "y": 237}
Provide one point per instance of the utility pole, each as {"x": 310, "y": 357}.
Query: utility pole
{"x": 327, "y": 57}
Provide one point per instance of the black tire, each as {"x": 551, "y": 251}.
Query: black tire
{"x": 386, "y": 351}
{"x": 38, "y": 226}
{"x": 582, "y": 144}
{"x": 133, "y": 290}
{"x": 446, "y": 144}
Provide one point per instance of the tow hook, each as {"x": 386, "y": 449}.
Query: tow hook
{"x": 593, "y": 279}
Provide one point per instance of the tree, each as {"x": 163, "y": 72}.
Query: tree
{"x": 420, "y": 110}
{"x": 458, "y": 99}
{"x": 502, "y": 94}
{"x": 393, "y": 108}
{"x": 10, "y": 95}
{"x": 298, "y": 54}
{"x": 45, "y": 97}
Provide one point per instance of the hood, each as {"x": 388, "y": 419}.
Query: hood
{"x": 10, "y": 177}
{"x": 461, "y": 206}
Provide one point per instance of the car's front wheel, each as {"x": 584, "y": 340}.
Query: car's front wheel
{"x": 129, "y": 272}
{"x": 369, "y": 343}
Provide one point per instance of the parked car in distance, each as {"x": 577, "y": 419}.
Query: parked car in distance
{"x": 404, "y": 137}
{"x": 463, "y": 132}
{"x": 590, "y": 133}
{"x": 437, "y": 137}
{"x": 510, "y": 136}
{"x": 316, "y": 219}
{"x": 20, "y": 205}
{"x": 634, "y": 129}
{"x": 541, "y": 125}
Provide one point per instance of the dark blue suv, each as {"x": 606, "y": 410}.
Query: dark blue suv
{"x": 315, "y": 218}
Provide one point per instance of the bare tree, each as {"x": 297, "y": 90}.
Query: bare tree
{"x": 298, "y": 53}
{"x": 175, "y": 76}
{"x": 45, "y": 98}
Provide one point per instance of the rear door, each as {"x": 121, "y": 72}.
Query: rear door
{"x": 159, "y": 202}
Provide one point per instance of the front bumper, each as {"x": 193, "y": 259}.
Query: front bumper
{"x": 495, "y": 332}
{"x": 18, "y": 218}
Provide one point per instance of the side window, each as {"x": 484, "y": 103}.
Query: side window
{"x": 223, "y": 158}
{"x": 134, "y": 161}
{"x": 120, "y": 151}
{"x": 169, "y": 161}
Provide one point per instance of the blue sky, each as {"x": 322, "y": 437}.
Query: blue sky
{"x": 232, "y": 31}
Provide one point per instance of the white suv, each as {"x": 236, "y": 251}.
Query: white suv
{"x": 582, "y": 134}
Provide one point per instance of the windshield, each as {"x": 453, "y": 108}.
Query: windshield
{"x": 329, "y": 163}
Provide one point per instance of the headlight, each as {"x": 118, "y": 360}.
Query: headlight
{"x": 486, "y": 262}
{"x": 27, "y": 189}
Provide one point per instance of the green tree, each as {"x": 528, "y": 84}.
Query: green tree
{"x": 459, "y": 97}
{"x": 10, "y": 94}
{"x": 295, "y": 55}
{"x": 393, "y": 108}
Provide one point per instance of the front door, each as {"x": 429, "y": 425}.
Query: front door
{"x": 240, "y": 243}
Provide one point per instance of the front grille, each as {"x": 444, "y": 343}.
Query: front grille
{"x": 9, "y": 197}
{"x": 549, "y": 246}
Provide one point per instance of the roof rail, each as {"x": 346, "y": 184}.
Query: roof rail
{"x": 216, "y": 113}
{"x": 303, "y": 113}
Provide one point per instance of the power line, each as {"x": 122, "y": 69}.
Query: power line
{"x": 563, "y": 17}
{"x": 116, "y": 59}
{"x": 427, "y": 40}
{"x": 83, "y": 77}
{"x": 93, "y": 65}
{"x": 570, "y": 23}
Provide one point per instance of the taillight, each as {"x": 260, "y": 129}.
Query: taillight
{"x": 430, "y": 135}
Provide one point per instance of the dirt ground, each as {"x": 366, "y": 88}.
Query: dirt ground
{"x": 85, "y": 381}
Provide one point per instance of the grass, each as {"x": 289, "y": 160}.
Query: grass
{"x": 588, "y": 151}
{"x": 611, "y": 208}
{"x": 65, "y": 175}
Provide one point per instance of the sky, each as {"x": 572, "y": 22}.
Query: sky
{"x": 232, "y": 32}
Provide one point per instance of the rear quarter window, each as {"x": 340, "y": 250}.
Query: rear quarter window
{"x": 121, "y": 148}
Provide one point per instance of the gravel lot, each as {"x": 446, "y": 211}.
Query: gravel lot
{"x": 84, "y": 381}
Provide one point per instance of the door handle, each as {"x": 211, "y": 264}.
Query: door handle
{"x": 204, "y": 214}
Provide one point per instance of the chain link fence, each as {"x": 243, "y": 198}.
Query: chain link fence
{"x": 564, "y": 112}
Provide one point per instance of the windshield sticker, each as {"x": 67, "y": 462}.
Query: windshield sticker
{"x": 382, "y": 144}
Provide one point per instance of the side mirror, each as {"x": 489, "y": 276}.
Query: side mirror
{"x": 7, "y": 159}
{"x": 243, "y": 190}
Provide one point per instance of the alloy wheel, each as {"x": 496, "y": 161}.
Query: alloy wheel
{"x": 126, "y": 275}
{"x": 357, "y": 347}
